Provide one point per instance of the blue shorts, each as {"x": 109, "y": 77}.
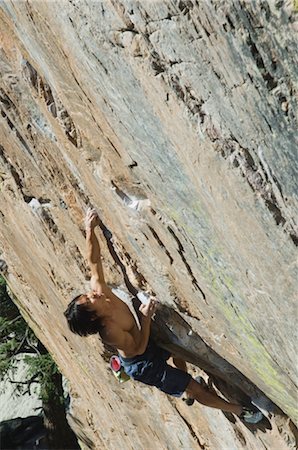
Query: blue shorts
{"x": 151, "y": 368}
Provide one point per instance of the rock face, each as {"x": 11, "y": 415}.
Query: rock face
{"x": 18, "y": 406}
{"x": 176, "y": 120}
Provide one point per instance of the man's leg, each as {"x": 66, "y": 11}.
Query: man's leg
{"x": 179, "y": 363}
{"x": 208, "y": 398}
{"x": 201, "y": 393}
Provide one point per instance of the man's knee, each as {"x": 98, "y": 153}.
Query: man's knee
{"x": 179, "y": 363}
{"x": 196, "y": 390}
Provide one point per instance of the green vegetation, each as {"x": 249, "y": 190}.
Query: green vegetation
{"x": 16, "y": 338}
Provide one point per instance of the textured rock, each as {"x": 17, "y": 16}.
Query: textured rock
{"x": 176, "y": 120}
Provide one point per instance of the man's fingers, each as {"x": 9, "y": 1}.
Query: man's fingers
{"x": 149, "y": 308}
{"x": 92, "y": 218}
{"x": 153, "y": 303}
{"x": 91, "y": 211}
{"x": 91, "y": 214}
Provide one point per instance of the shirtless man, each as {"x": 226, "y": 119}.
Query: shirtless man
{"x": 101, "y": 311}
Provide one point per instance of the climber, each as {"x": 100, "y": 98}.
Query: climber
{"x": 101, "y": 311}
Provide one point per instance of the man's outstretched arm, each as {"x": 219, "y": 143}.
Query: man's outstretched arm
{"x": 93, "y": 251}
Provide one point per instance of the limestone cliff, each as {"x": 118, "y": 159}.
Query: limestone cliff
{"x": 176, "y": 120}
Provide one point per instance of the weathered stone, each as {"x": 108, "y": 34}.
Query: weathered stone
{"x": 176, "y": 120}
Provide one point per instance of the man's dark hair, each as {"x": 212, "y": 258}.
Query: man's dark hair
{"x": 80, "y": 319}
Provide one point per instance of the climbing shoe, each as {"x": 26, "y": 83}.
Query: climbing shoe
{"x": 251, "y": 415}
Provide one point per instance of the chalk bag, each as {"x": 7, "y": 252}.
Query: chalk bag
{"x": 118, "y": 370}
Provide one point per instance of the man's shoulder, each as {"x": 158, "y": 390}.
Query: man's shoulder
{"x": 110, "y": 331}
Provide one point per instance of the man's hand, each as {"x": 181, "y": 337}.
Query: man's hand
{"x": 91, "y": 219}
{"x": 149, "y": 309}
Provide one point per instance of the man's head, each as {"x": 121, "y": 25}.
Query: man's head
{"x": 82, "y": 315}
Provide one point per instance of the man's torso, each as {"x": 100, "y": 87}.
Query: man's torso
{"x": 121, "y": 317}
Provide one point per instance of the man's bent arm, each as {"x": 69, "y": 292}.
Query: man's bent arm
{"x": 144, "y": 334}
{"x": 147, "y": 310}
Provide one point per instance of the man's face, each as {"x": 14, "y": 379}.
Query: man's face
{"x": 90, "y": 299}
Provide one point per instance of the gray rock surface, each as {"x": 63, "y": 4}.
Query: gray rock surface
{"x": 177, "y": 121}
{"x": 18, "y": 406}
